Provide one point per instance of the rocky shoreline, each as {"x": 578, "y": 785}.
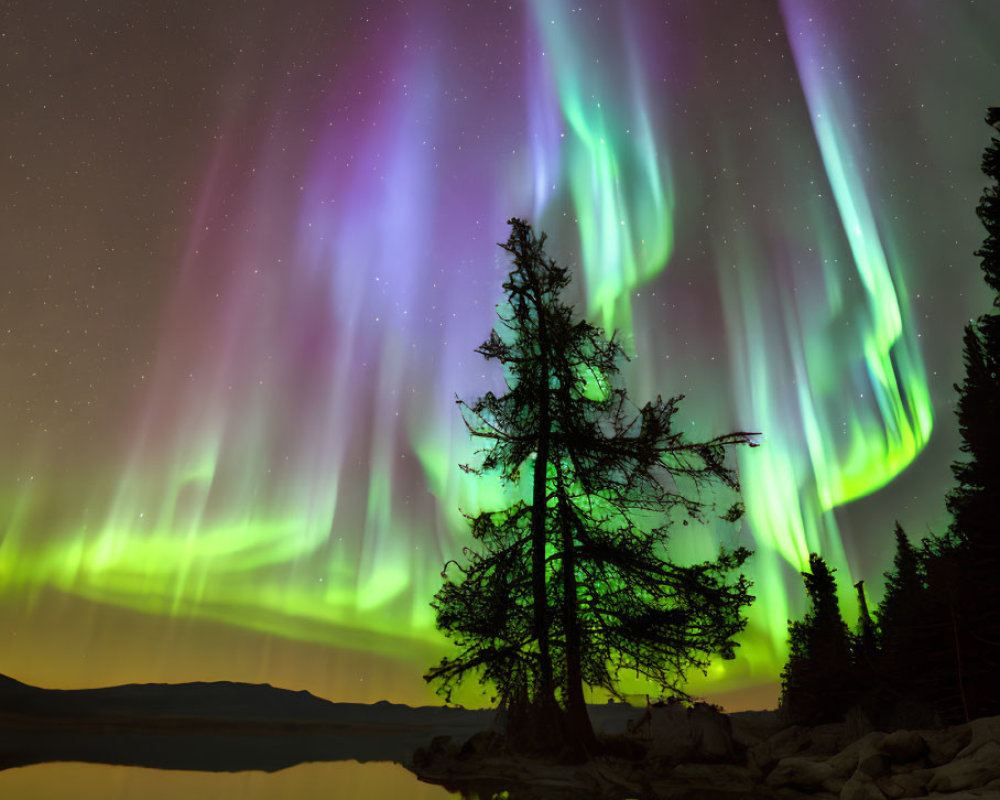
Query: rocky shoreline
{"x": 683, "y": 752}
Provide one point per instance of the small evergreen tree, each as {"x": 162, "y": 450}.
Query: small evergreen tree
{"x": 897, "y": 691}
{"x": 941, "y": 640}
{"x": 574, "y": 584}
{"x": 817, "y": 683}
{"x": 898, "y": 613}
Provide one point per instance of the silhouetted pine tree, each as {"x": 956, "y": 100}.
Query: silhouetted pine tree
{"x": 904, "y": 625}
{"x": 574, "y": 584}
{"x": 939, "y": 660}
{"x": 818, "y": 682}
{"x": 898, "y": 613}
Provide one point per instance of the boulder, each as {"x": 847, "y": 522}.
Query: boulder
{"x": 982, "y": 730}
{"x": 873, "y": 765}
{"x": 440, "y": 747}
{"x": 944, "y": 745}
{"x": 977, "y": 770}
{"x": 690, "y": 735}
{"x": 480, "y": 744}
{"x": 861, "y": 787}
{"x": 846, "y": 761}
{"x": 825, "y": 740}
{"x": 910, "y": 784}
{"x": 889, "y": 788}
{"x": 799, "y": 772}
{"x": 788, "y": 742}
{"x": 904, "y": 746}
{"x": 750, "y": 728}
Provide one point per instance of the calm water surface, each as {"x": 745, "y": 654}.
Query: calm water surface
{"x": 339, "y": 780}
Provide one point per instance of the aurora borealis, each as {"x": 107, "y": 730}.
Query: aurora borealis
{"x": 248, "y": 256}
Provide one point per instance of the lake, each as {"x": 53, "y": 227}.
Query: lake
{"x": 347, "y": 780}
{"x": 225, "y": 740}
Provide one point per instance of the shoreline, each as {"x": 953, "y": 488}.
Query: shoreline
{"x": 678, "y": 752}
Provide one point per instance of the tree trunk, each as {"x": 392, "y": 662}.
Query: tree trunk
{"x": 546, "y": 698}
{"x": 578, "y": 732}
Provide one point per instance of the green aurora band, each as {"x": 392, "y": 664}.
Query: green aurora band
{"x": 612, "y": 159}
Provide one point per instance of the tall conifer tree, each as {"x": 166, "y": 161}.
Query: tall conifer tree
{"x": 817, "y": 681}
{"x": 574, "y": 584}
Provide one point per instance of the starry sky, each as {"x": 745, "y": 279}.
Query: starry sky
{"x": 249, "y": 249}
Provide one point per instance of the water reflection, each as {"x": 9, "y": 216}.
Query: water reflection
{"x": 341, "y": 780}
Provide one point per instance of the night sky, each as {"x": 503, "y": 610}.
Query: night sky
{"x": 248, "y": 250}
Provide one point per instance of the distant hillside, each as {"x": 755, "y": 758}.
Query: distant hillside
{"x": 220, "y": 726}
{"x": 220, "y": 700}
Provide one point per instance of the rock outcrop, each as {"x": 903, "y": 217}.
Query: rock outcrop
{"x": 679, "y": 752}
{"x": 959, "y": 762}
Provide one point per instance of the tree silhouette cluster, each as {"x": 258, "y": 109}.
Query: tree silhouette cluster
{"x": 937, "y": 631}
{"x": 570, "y": 583}
{"x": 820, "y": 665}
